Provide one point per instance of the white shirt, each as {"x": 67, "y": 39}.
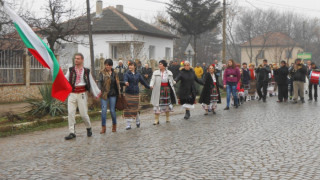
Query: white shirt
{"x": 164, "y": 76}
{"x": 213, "y": 77}
{"x": 94, "y": 88}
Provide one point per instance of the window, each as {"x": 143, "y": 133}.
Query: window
{"x": 168, "y": 53}
{"x": 261, "y": 54}
{"x": 288, "y": 54}
{"x": 152, "y": 52}
{"x": 114, "y": 52}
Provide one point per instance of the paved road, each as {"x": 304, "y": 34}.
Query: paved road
{"x": 256, "y": 141}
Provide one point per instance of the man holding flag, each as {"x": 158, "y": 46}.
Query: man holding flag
{"x": 81, "y": 81}
{"x": 80, "y": 78}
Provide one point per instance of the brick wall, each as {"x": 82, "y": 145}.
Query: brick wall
{"x": 16, "y": 93}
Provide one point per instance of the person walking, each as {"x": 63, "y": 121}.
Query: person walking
{"x": 199, "y": 71}
{"x": 252, "y": 82}
{"x": 121, "y": 70}
{"x": 298, "y": 73}
{"x": 281, "y": 78}
{"x": 245, "y": 79}
{"x": 187, "y": 90}
{"x": 314, "y": 86}
{"x": 131, "y": 80}
{"x": 231, "y": 77}
{"x": 210, "y": 95}
{"x": 81, "y": 82}
{"x": 163, "y": 93}
{"x": 263, "y": 77}
{"x": 109, "y": 84}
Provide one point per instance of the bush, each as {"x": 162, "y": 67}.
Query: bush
{"x": 47, "y": 105}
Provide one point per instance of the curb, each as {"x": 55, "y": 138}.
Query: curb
{"x": 15, "y": 127}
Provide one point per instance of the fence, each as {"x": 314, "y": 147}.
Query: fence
{"x": 18, "y": 67}
{"x": 11, "y": 67}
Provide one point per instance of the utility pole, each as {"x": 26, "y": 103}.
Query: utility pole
{"x": 93, "y": 71}
{"x": 304, "y": 36}
{"x": 224, "y": 34}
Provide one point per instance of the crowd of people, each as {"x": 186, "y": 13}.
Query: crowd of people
{"x": 175, "y": 83}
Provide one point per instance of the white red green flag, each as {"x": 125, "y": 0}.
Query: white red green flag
{"x": 60, "y": 87}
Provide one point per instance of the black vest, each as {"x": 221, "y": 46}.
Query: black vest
{"x": 73, "y": 77}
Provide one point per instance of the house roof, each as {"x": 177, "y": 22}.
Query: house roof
{"x": 271, "y": 39}
{"x": 114, "y": 21}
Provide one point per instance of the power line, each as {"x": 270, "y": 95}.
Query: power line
{"x": 288, "y": 6}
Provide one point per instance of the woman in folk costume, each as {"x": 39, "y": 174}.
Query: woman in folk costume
{"x": 163, "y": 94}
{"x": 109, "y": 84}
{"x": 252, "y": 82}
{"x": 210, "y": 94}
{"x": 187, "y": 90}
{"x": 131, "y": 80}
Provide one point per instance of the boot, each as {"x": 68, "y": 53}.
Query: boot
{"x": 156, "y": 119}
{"x": 187, "y": 115}
{"x": 103, "y": 130}
{"x": 114, "y": 127}
{"x": 89, "y": 132}
{"x": 167, "y": 117}
{"x": 302, "y": 100}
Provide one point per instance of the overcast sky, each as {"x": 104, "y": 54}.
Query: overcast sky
{"x": 147, "y": 9}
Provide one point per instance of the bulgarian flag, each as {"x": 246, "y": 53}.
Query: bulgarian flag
{"x": 60, "y": 87}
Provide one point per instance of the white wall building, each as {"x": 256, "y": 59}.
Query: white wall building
{"x": 117, "y": 35}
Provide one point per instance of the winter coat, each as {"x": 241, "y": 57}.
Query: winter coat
{"x": 281, "y": 75}
{"x": 105, "y": 81}
{"x": 148, "y": 72}
{"x": 299, "y": 74}
{"x": 175, "y": 69}
{"x": 198, "y": 71}
{"x": 206, "y": 91}
{"x": 231, "y": 75}
{"x": 133, "y": 80}
{"x": 156, "y": 84}
{"x": 187, "y": 86}
{"x": 245, "y": 76}
{"x": 263, "y": 74}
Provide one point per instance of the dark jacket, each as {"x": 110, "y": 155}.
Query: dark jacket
{"x": 245, "y": 78}
{"x": 299, "y": 74}
{"x": 263, "y": 74}
{"x": 175, "y": 69}
{"x": 148, "y": 72}
{"x": 133, "y": 80}
{"x": 281, "y": 75}
{"x": 187, "y": 86}
{"x": 121, "y": 70}
{"x": 206, "y": 91}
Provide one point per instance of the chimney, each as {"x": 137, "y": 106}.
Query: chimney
{"x": 99, "y": 8}
{"x": 119, "y": 8}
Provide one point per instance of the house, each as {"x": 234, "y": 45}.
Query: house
{"x": 117, "y": 35}
{"x": 273, "y": 46}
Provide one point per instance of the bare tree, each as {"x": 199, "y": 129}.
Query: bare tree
{"x": 60, "y": 22}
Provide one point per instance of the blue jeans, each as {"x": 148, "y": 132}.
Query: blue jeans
{"x": 104, "y": 106}
{"x": 232, "y": 89}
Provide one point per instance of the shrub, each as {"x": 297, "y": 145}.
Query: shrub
{"x": 46, "y": 105}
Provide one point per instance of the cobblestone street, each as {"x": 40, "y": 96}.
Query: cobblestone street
{"x": 256, "y": 141}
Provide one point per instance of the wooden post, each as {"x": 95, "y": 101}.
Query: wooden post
{"x": 26, "y": 67}
{"x": 101, "y": 61}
